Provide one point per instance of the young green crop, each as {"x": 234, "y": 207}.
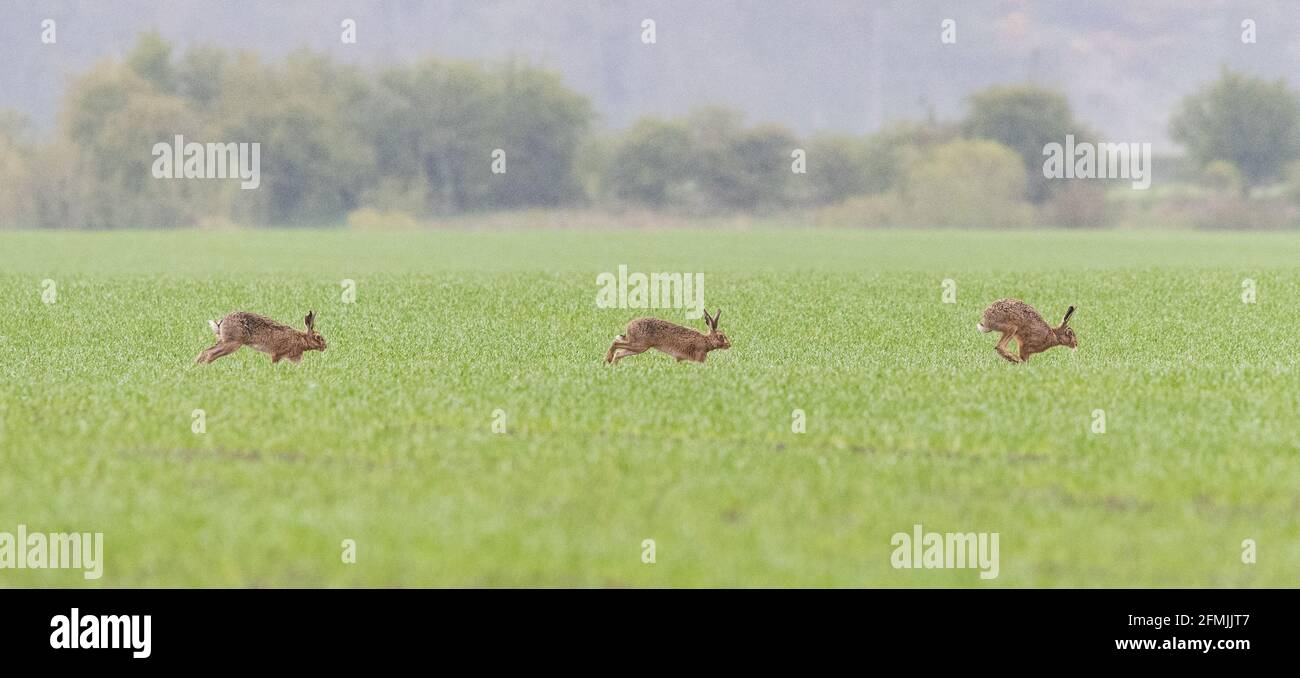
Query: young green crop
{"x": 386, "y": 438}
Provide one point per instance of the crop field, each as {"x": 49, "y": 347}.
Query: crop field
{"x": 463, "y": 429}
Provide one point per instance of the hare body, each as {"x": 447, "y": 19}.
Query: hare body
{"x": 682, "y": 343}
{"x": 258, "y": 332}
{"x": 1018, "y": 321}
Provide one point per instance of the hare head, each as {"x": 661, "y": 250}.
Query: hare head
{"x": 716, "y": 339}
{"x": 313, "y": 339}
{"x": 1064, "y": 334}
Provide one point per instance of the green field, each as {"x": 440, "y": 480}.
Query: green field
{"x": 386, "y": 437}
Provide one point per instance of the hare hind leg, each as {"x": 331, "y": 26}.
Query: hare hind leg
{"x": 609, "y": 355}
{"x": 625, "y": 352}
{"x": 622, "y": 349}
{"x": 224, "y": 348}
{"x": 212, "y": 352}
{"x": 620, "y": 354}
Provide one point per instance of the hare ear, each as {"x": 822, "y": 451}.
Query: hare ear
{"x": 310, "y": 320}
{"x": 1068, "y": 312}
{"x": 717, "y": 315}
{"x": 708, "y": 320}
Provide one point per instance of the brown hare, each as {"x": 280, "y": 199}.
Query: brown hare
{"x": 682, "y": 343}
{"x": 259, "y": 332}
{"x": 1019, "y": 321}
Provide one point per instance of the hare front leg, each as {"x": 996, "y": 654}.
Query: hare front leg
{"x": 1001, "y": 348}
{"x": 616, "y": 349}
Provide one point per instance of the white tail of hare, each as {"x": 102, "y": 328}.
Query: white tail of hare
{"x": 259, "y": 332}
{"x": 682, "y": 343}
{"x": 1019, "y": 321}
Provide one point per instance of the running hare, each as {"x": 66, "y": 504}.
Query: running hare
{"x": 682, "y": 343}
{"x": 1017, "y": 320}
{"x": 259, "y": 332}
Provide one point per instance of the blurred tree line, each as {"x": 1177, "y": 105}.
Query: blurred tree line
{"x": 416, "y": 140}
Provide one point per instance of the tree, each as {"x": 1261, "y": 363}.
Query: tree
{"x": 314, "y": 162}
{"x": 200, "y": 75}
{"x": 706, "y": 162}
{"x": 651, "y": 163}
{"x": 113, "y": 117}
{"x": 889, "y": 151}
{"x": 1249, "y": 122}
{"x": 435, "y": 125}
{"x": 542, "y": 123}
{"x": 714, "y": 170}
{"x": 151, "y": 60}
{"x": 837, "y": 168}
{"x": 1024, "y": 118}
{"x": 762, "y": 163}
{"x": 739, "y": 168}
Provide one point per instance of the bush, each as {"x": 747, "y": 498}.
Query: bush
{"x": 1222, "y": 177}
{"x": 966, "y": 183}
{"x": 1078, "y": 203}
{"x": 367, "y": 219}
{"x": 960, "y": 183}
{"x": 1024, "y": 118}
{"x": 864, "y": 211}
{"x": 1238, "y": 213}
{"x": 889, "y": 152}
{"x": 837, "y": 169}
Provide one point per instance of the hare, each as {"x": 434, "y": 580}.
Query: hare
{"x": 259, "y": 332}
{"x": 682, "y": 343}
{"x": 1017, "y": 320}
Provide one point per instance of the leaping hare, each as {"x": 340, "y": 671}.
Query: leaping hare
{"x": 682, "y": 343}
{"x": 1019, "y": 321}
{"x": 259, "y": 332}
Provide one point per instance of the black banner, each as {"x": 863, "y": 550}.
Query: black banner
{"x": 235, "y": 628}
